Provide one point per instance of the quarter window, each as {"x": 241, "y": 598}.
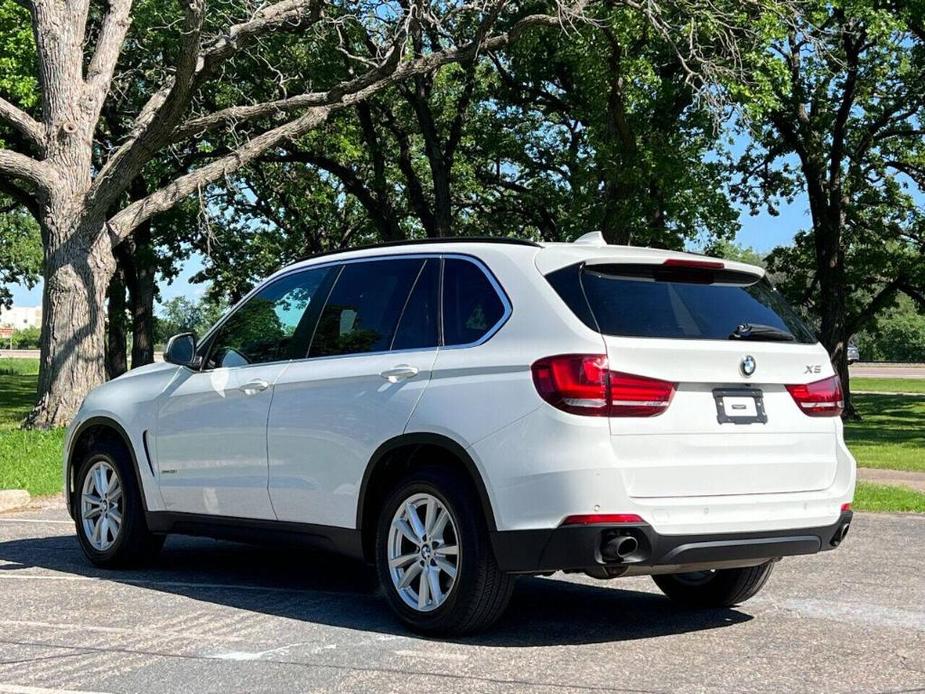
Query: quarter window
{"x": 471, "y": 306}
{"x": 364, "y": 308}
{"x": 272, "y": 325}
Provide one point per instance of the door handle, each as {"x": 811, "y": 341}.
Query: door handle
{"x": 258, "y": 385}
{"x": 399, "y": 373}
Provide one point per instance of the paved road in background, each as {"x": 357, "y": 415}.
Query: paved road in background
{"x": 861, "y": 369}
{"x": 19, "y": 353}
{"x": 221, "y": 617}
{"x": 880, "y": 371}
{"x": 34, "y": 354}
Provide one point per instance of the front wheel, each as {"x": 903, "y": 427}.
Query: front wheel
{"x": 108, "y": 509}
{"x": 716, "y": 588}
{"x": 434, "y": 558}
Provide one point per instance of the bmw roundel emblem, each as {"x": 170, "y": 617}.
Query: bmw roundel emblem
{"x": 748, "y": 365}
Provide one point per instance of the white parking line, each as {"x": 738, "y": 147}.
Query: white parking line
{"x": 153, "y": 630}
{"x": 20, "y": 689}
{"x": 175, "y": 584}
{"x": 38, "y": 521}
{"x": 860, "y": 612}
{"x": 432, "y": 655}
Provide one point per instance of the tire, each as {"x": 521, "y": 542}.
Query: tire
{"x": 112, "y": 544}
{"x": 478, "y": 594}
{"x": 719, "y": 588}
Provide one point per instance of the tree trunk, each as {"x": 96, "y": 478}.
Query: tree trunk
{"x": 614, "y": 225}
{"x": 116, "y": 359}
{"x": 78, "y": 267}
{"x": 833, "y": 312}
{"x": 136, "y": 257}
{"x": 142, "y": 298}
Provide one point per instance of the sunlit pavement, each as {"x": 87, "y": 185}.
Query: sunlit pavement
{"x": 220, "y": 617}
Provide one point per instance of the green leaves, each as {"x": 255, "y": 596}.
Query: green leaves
{"x": 20, "y": 252}
{"x": 18, "y": 75}
{"x": 836, "y": 109}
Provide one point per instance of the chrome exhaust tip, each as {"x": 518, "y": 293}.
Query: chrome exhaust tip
{"x": 619, "y": 548}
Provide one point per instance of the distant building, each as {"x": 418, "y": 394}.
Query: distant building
{"x": 21, "y": 317}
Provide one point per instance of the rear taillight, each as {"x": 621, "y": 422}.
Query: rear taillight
{"x": 582, "y": 384}
{"x": 820, "y": 399}
{"x": 575, "y": 383}
{"x": 638, "y": 396}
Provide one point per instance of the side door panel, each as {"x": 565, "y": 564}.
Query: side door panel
{"x": 328, "y": 417}
{"x": 211, "y": 430}
{"x": 211, "y": 443}
{"x": 370, "y": 361}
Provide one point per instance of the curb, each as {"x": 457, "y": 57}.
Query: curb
{"x": 894, "y": 478}
{"x": 12, "y": 499}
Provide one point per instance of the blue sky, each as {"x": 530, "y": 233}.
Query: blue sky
{"x": 762, "y": 232}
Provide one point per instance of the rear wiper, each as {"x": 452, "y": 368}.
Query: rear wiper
{"x": 757, "y": 331}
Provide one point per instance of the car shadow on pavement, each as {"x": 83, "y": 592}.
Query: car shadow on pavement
{"x": 325, "y": 589}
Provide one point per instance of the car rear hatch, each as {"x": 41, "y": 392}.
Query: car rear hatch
{"x": 702, "y": 358}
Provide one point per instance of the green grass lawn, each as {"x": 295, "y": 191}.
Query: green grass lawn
{"x": 888, "y": 385}
{"x": 892, "y": 433}
{"x": 891, "y": 436}
{"x": 882, "y": 497}
{"x": 28, "y": 459}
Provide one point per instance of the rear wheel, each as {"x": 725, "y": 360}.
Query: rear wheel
{"x": 716, "y": 588}
{"x": 434, "y": 558}
{"x": 108, "y": 510}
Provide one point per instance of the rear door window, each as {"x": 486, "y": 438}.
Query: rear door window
{"x": 418, "y": 326}
{"x": 651, "y": 301}
{"x": 363, "y": 310}
{"x": 471, "y": 305}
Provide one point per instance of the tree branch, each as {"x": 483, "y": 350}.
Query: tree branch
{"x": 18, "y": 165}
{"x": 914, "y": 293}
{"x": 20, "y": 196}
{"x": 157, "y": 120}
{"x": 852, "y": 53}
{"x": 878, "y": 302}
{"x": 108, "y": 49}
{"x": 158, "y": 117}
{"x": 370, "y": 81}
{"x": 122, "y": 224}
{"x": 29, "y": 128}
{"x": 292, "y": 14}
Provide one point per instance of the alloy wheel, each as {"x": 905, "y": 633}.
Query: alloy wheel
{"x": 101, "y": 505}
{"x": 423, "y": 552}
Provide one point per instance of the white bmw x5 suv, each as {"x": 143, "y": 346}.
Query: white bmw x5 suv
{"x": 461, "y": 412}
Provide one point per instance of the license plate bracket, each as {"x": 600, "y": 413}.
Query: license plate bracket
{"x": 739, "y": 406}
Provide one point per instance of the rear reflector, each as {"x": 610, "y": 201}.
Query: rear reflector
{"x": 845, "y": 507}
{"x": 819, "y": 399}
{"x": 600, "y": 518}
{"x": 582, "y": 384}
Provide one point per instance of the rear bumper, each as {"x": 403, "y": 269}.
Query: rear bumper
{"x": 579, "y": 548}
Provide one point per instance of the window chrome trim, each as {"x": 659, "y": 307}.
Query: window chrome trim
{"x": 496, "y": 285}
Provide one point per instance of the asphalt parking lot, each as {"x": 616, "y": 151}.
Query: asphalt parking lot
{"x": 219, "y": 617}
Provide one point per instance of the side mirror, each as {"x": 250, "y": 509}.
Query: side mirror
{"x": 181, "y": 350}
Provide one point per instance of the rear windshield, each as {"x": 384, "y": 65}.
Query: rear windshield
{"x": 653, "y": 301}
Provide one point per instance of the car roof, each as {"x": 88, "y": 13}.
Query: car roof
{"x": 547, "y": 256}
